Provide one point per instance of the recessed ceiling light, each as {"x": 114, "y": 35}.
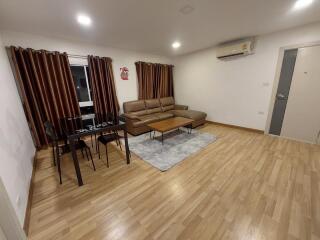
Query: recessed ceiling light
{"x": 302, "y": 4}
{"x": 84, "y": 20}
{"x": 176, "y": 45}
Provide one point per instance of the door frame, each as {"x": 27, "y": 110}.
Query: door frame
{"x": 277, "y": 79}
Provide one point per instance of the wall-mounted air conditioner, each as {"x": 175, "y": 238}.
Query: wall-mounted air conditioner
{"x": 239, "y": 48}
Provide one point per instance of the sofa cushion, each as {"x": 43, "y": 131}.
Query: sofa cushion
{"x": 131, "y": 116}
{"x": 153, "y": 106}
{"x": 163, "y": 115}
{"x": 154, "y": 110}
{"x": 139, "y": 113}
{"x": 167, "y": 101}
{"x": 152, "y": 103}
{"x": 134, "y": 106}
{"x": 191, "y": 114}
{"x": 167, "y": 108}
{"x": 145, "y": 119}
{"x": 148, "y": 117}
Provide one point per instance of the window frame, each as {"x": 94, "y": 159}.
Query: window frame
{"x": 90, "y": 102}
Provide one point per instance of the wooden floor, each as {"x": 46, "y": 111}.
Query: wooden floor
{"x": 244, "y": 186}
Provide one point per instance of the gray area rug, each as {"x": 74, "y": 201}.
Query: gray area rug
{"x": 177, "y": 146}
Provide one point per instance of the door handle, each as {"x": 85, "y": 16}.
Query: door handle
{"x": 281, "y": 96}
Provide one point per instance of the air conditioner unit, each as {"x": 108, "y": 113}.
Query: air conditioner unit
{"x": 239, "y": 48}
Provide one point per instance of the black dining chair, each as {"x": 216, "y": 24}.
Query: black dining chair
{"x": 70, "y": 125}
{"x": 106, "y": 138}
{"x": 53, "y": 137}
{"x": 89, "y": 124}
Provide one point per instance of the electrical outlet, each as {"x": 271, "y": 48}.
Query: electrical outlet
{"x": 261, "y": 113}
{"x": 265, "y": 84}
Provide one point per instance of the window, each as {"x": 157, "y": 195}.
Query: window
{"x": 80, "y": 75}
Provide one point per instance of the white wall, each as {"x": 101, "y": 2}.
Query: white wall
{"x": 16, "y": 145}
{"x": 126, "y": 90}
{"x": 238, "y": 91}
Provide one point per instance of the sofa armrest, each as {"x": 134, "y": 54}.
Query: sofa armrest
{"x": 130, "y": 116}
{"x": 180, "y": 107}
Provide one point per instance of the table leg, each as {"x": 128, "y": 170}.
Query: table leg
{"x": 126, "y": 145}
{"x": 76, "y": 162}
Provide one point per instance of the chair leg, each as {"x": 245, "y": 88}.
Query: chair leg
{"x": 58, "y": 163}
{"x": 118, "y": 141}
{"x": 94, "y": 167}
{"x": 91, "y": 141}
{"x": 95, "y": 139}
{"x": 129, "y": 152}
{"x": 54, "y": 155}
{"x": 107, "y": 155}
{"x": 116, "y": 133}
{"x": 82, "y": 152}
{"x": 85, "y": 150}
{"x": 98, "y": 148}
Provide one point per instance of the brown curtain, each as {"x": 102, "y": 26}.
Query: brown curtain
{"x": 105, "y": 98}
{"x": 154, "y": 80}
{"x": 46, "y": 87}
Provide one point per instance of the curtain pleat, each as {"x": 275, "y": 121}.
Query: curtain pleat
{"x": 154, "y": 80}
{"x": 105, "y": 98}
{"x": 47, "y": 89}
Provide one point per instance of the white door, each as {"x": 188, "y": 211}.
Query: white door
{"x": 302, "y": 116}
{"x": 9, "y": 224}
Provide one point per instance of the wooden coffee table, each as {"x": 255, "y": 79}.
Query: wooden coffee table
{"x": 171, "y": 124}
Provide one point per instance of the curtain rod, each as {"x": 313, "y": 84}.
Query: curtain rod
{"x": 69, "y": 55}
{"x": 149, "y": 63}
{"x": 77, "y": 56}
{"x": 85, "y": 57}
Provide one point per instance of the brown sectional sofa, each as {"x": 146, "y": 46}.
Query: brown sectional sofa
{"x": 142, "y": 112}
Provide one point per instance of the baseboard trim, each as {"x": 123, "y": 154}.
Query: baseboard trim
{"x": 237, "y": 127}
{"x": 29, "y": 203}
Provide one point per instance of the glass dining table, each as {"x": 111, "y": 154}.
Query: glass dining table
{"x": 90, "y": 128}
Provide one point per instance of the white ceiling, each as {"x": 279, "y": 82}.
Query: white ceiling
{"x": 152, "y": 25}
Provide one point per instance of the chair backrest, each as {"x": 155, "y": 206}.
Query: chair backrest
{"x": 106, "y": 117}
{"x": 50, "y": 131}
{"x": 70, "y": 125}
